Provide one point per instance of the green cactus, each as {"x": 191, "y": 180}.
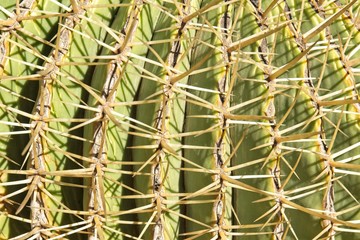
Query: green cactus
{"x": 210, "y": 119}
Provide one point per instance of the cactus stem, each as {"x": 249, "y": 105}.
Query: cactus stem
{"x": 313, "y": 32}
{"x": 98, "y": 152}
{"x": 11, "y": 23}
{"x": 39, "y": 216}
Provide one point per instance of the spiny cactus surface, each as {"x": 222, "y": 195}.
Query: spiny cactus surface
{"x": 193, "y": 119}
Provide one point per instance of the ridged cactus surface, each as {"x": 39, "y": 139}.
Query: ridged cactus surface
{"x": 193, "y": 119}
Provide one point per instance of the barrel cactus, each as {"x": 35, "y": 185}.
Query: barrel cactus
{"x": 201, "y": 119}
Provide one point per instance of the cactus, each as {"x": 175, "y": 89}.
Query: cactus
{"x": 157, "y": 119}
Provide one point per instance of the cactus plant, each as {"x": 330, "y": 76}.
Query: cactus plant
{"x": 152, "y": 119}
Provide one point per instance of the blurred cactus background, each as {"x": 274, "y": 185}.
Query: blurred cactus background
{"x": 189, "y": 119}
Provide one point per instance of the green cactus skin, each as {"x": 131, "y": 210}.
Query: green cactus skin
{"x": 190, "y": 119}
